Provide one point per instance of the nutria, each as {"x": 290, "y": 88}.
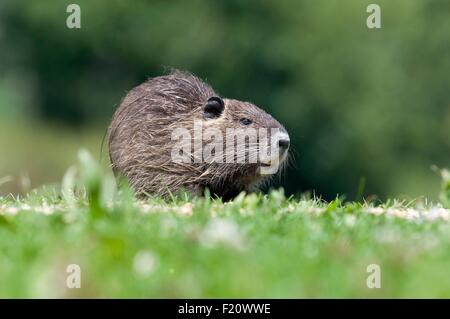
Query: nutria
{"x": 141, "y": 142}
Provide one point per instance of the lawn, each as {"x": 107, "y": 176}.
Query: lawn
{"x": 255, "y": 246}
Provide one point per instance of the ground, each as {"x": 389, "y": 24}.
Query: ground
{"x": 255, "y": 246}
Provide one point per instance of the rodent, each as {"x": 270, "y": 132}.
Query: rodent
{"x": 140, "y": 138}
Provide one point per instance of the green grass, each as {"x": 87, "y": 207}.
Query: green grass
{"x": 255, "y": 246}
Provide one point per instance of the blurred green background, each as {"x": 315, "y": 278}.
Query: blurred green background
{"x": 362, "y": 106}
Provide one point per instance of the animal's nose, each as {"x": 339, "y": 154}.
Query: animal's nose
{"x": 284, "y": 144}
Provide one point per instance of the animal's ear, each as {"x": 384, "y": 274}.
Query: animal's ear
{"x": 214, "y": 107}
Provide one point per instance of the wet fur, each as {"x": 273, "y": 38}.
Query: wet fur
{"x": 140, "y": 145}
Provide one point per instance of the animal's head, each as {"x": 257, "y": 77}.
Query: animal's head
{"x": 255, "y": 145}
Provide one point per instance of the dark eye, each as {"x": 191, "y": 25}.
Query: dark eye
{"x": 245, "y": 121}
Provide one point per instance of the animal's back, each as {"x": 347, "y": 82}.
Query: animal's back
{"x": 140, "y": 132}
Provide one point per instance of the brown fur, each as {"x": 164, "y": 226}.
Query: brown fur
{"x": 140, "y": 138}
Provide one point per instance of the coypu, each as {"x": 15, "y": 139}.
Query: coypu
{"x": 140, "y": 138}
